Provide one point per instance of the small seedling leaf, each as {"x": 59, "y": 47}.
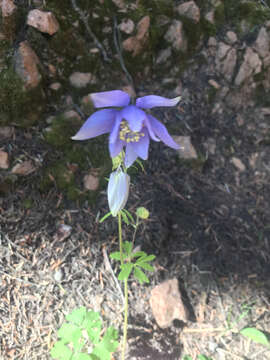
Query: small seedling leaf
{"x": 81, "y": 356}
{"x": 255, "y": 335}
{"x": 129, "y": 215}
{"x": 61, "y": 351}
{"x": 142, "y": 213}
{"x": 93, "y": 325}
{"x": 140, "y": 275}
{"x": 125, "y": 218}
{"x": 125, "y": 272}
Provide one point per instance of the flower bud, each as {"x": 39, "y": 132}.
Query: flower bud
{"x": 118, "y": 190}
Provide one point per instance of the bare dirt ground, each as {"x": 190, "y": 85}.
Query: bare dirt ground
{"x": 209, "y": 227}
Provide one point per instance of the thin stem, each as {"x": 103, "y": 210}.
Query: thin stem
{"x": 125, "y": 288}
{"x": 120, "y": 236}
{"x": 125, "y": 320}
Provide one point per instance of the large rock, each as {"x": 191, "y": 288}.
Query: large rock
{"x": 26, "y": 65}
{"x": 166, "y": 303}
{"x": 44, "y": 21}
{"x": 251, "y": 65}
{"x": 262, "y": 43}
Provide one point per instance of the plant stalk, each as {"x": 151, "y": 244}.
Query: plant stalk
{"x": 125, "y": 288}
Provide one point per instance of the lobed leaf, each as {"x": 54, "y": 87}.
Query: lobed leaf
{"x": 61, "y": 351}
{"x": 125, "y": 272}
{"x": 140, "y": 275}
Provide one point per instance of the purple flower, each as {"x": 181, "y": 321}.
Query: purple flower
{"x": 129, "y": 126}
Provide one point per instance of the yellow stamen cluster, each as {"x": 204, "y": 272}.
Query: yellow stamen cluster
{"x": 128, "y": 135}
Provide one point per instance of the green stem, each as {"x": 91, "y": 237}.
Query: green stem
{"x": 125, "y": 288}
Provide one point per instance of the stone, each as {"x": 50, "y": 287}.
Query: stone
{"x": 166, "y": 303}
{"x": 238, "y": 164}
{"x": 135, "y": 44}
{"x": 213, "y": 83}
{"x": 226, "y": 58}
{"x": 69, "y": 114}
{"x": 4, "y": 162}
{"x": 212, "y": 42}
{"x": 262, "y": 43}
{"x": 251, "y": 65}
{"x": 91, "y": 181}
{"x": 176, "y": 37}
{"x": 187, "y": 150}
{"x": 55, "y": 86}
{"x": 119, "y": 3}
{"x": 23, "y": 168}
{"x": 163, "y": 56}
{"x": 231, "y": 37}
{"x": 63, "y": 232}
{"x": 80, "y": 80}
{"x": 127, "y": 26}
{"x": 43, "y": 21}
{"x": 26, "y": 65}
{"x": 6, "y": 132}
{"x": 190, "y": 10}
{"x": 210, "y": 17}
{"x": 7, "y": 7}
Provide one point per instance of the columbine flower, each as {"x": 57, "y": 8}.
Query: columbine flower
{"x": 130, "y": 126}
{"x": 118, "y": 190}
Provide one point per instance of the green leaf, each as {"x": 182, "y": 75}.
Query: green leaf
{"x": 142, "y": 213}
{"x": 140, "y": 163}
{"x": 77, "y": 316}
{"x": 125, "y": 272}
{"x": 61, "y": 351}
{"x": 127, "y": 246}
{"x": 138, "y": 254}
{"x": 140, "y": 275}
{"x": 187, "y": 357}
{"x": 255, "y": 335}
{"x": 146, "y": 266}
{"x": 203, "y": 357}
{"x": 81, "y": 356}
{"x": 116, "y": 255}
{"x": 105, "y": 217}
{"x": 145, "y": 258}
{"x": 93, "y": 325}
{"x": 125, "y": 218}
{"x": 70, "y": 333}
{"x": 129, "y": 215}
{"x": 107, "y": 345}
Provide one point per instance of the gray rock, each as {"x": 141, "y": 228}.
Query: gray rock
{"x": 190, "y": 10}
{"x": 262, "y": 43}
{"x": 175, "y": 35}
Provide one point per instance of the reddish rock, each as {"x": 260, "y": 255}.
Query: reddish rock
{"x": 7, "y": 7}
{"x": 24, "y": 168}
{"x": 91, "y": 182}
{"x": 4, "y": 163}
{"x": 166, "y": 303}
{"x": 251, "y": 65}
{"x": 44, "y": 21}
{"x": 135, "y": 44}
{"x": 26, "y": 65}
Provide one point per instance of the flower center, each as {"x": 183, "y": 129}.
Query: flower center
{"x": 127, "y": 135}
